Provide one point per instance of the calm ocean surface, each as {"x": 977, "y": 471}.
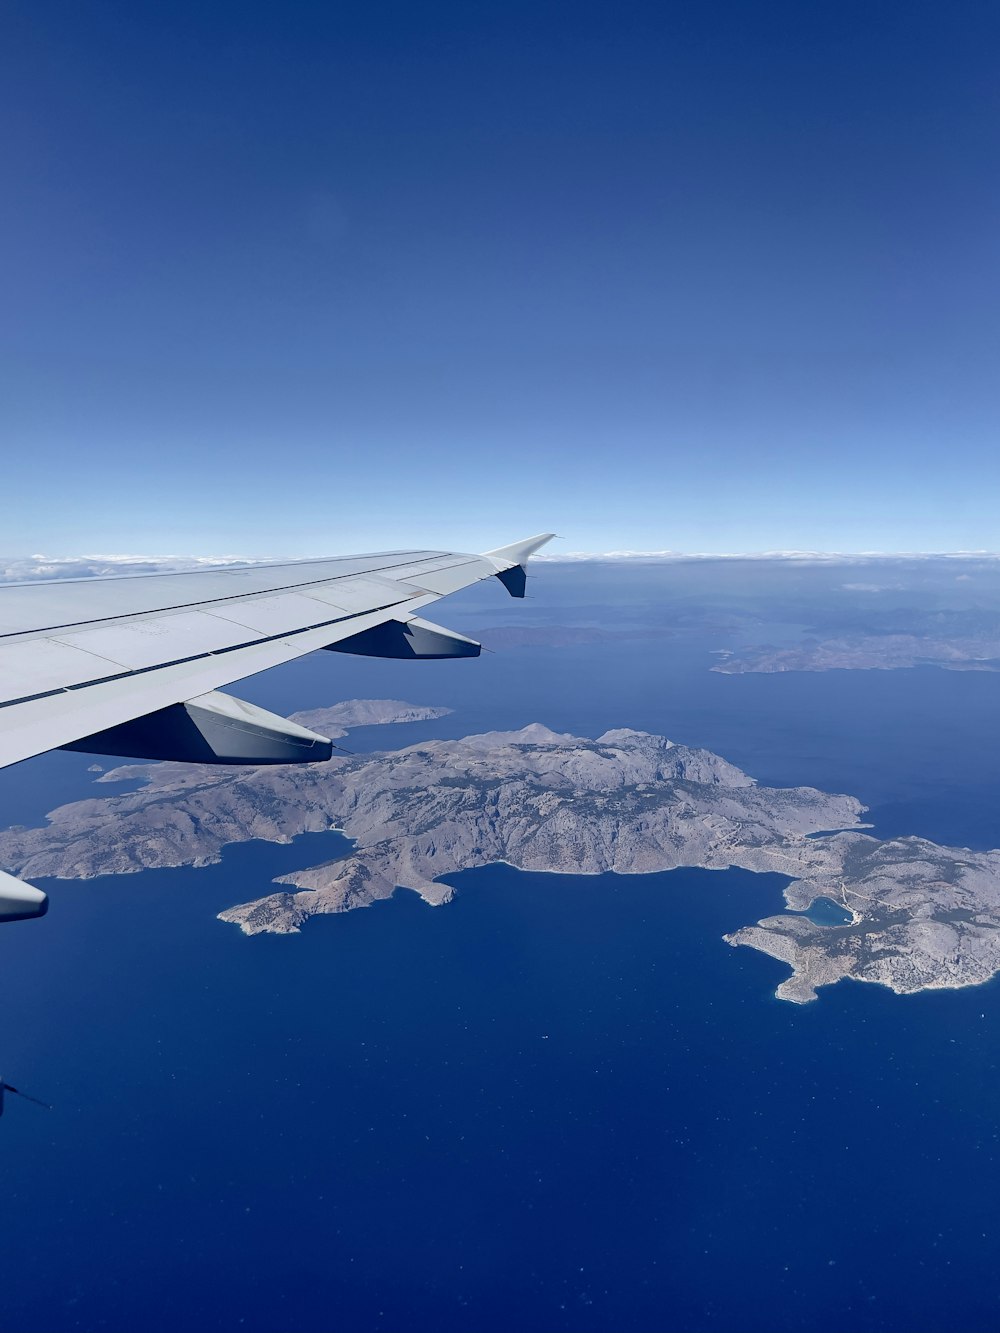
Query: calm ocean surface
{"x": 556, "y": 1103}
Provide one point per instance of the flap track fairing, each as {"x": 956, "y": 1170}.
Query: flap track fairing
{"x": 410, "y": 638}
{"x": 212, "y": 729}
{"x": 20, "y": 901}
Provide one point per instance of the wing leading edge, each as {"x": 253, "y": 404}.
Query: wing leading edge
{"x": 133, "y": 666}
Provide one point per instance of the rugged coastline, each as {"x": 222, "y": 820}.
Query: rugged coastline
{"x": 922, "y": 916}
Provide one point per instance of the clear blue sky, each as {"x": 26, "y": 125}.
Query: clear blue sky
{"x": 295, "y": 278}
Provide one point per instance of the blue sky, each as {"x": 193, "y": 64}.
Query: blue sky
{"x": 294, "y": 279}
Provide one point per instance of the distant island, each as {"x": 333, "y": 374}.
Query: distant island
{"x": 917, "y": 916}
{"x": 867, "y": 652}
{"x": 962, "y": 650}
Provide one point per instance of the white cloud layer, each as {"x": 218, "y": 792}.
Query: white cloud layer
{"x": 29, "y": 569}
{"x": 801, "y": 557}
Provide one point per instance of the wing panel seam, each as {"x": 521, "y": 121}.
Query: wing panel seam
{"x": 197, "y": 657}
{"x": 45, "y": 630}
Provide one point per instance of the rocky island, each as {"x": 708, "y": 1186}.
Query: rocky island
{"x": 866, "y": 652}
{"x": 921, "y": 916}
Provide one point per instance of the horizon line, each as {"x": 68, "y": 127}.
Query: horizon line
{"x": 38, "y": 567}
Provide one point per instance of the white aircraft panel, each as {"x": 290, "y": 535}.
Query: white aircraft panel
{"x": 145, "y": 643}
{"x": 364, "y": 594}
{"x": 417, "y": 567}
{"x": 36, "y": 665}
{"x": 36, "y": 607}
{"x": 277, "y": 615}
{"x": 445, "y": 581}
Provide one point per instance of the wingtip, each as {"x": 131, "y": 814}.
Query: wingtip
{"x": 518, "y": 553}
{"x": 512, "y": 561}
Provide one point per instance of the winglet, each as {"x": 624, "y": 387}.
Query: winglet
{"x": 512, "y": 561}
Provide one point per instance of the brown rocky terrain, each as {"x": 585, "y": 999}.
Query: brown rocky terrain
{"x": 922, "y": 916}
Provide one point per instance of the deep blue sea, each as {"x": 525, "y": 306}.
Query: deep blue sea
{"x": 557, "y": 1103}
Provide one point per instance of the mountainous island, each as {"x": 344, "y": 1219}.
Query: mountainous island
{"x": 865, "y": 652}
{"x": 881, "y": 637}
{"x": 917, "y": 916}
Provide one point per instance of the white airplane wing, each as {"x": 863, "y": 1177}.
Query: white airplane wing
{"x": 133, "y": 666}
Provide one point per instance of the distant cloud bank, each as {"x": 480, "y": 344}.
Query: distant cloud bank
{"x": 28, "y": 569}
{"x": 800, "y": 557}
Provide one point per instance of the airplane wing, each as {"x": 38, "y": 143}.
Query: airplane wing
{"x": 133, "y": 666}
